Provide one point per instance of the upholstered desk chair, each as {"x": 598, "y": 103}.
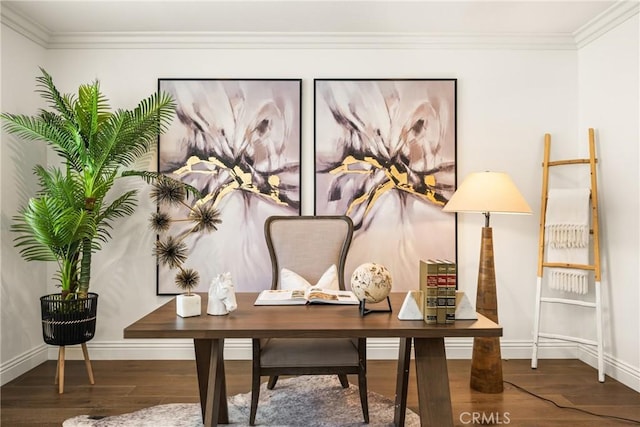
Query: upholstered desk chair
{"x": 308, "y": 246}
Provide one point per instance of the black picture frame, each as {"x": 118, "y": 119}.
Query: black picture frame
{"x": 385, "y": 155}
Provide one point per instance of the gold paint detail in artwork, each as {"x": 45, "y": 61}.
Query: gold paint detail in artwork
{"x": 240, "y": 180}
{"x": 395, "y": 179}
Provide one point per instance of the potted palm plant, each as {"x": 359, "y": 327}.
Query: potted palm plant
{"x": 71, "y": 215}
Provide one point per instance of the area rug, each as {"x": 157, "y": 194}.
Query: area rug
{"x": 300, "y": 401}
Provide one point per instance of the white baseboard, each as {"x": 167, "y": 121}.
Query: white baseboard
{"x": 167, "y": 349}
{"x": 240, "y": 349}
{"x": 547, "y": 349}
{"x": 621, "y": 371}
{"x": 461, "y": 348}
{"x": 22, "y": 363}
{"x": 377, "y": 349}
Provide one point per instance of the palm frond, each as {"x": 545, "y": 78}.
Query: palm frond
{"x": 108, "y": 135}
{"x": 55, "y": 184}
{"x": 158, "y": 109}
{"x": 79, "y": 150}
{"x": 122, "y": 207}
{"x": 36, "y": 128}
{"x": 131, "y": 134}
{"x": 49, "y": 128}
{"x": 92, "y": 112}
{"x": 140, "y": 128}
{"x": 50, "y": 230}
{"x": 30, "y": 247}
{"x": 61, "y": 103}
{"x": 98, "y": 186}
{"x": 147, "y": 176}
{"x": 65, "y": 143}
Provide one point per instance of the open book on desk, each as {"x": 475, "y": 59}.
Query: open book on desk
{"x": 308, "y": 296}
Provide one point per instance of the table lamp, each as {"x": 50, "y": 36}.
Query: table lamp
{"x": 487, "y": 193}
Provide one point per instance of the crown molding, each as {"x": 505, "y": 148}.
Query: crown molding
{"x": 605, "y": 22}
{"x": 305, "y": 40}
{"x": 25, "y": 26}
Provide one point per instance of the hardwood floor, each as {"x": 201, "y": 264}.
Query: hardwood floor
{"x": 125, "y": 386}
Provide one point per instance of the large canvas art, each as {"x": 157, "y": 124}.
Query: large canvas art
{"x": 385, "y": 154}
{"x": 238, "y": 143}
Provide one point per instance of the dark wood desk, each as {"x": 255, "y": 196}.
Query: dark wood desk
{"x": 316, "y": 321}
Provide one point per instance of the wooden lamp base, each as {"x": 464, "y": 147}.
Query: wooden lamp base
{"x": 486, "y": 361}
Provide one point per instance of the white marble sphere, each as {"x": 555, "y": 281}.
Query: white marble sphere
{"x": 371, "y": 282}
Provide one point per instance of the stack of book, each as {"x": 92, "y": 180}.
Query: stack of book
{"x": 438, "y": 284}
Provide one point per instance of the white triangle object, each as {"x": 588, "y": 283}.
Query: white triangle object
{"x": 412, "y": 307}
{"x": 464, "y": 309}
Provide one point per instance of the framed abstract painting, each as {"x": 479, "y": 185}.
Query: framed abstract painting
{"x": 238, "y": 142}
{"x": 385, "y": 155}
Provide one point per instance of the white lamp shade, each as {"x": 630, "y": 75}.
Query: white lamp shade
{"x": 487, "y": 192}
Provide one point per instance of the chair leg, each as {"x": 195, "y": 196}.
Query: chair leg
{"x": 362, "y": 385}
{"x": 272, "y": 382}
{"x": 87, "y": 363}
{"x": 344, "y": 382}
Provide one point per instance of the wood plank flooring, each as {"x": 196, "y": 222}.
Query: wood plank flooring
{"x": 125, "y": 386}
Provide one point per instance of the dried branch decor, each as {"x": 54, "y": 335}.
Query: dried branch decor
{"x": 171, "y": 251}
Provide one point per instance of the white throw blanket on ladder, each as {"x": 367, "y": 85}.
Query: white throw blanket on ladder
{"x": 567, "y": 237}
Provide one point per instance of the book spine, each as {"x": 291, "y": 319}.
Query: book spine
{"x": 429, "y": 286}
{"x": 451, "y": 292}
{"x": 442, "y": 292}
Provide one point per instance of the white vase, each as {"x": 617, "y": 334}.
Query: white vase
{"x": 188, "y": 305}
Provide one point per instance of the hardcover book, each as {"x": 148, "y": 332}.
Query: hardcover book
{"x": 443, "y": 274}
{"x": 429, "y": 288}
{"x": 309, "y": 296}
{"x": 450, "y": 316}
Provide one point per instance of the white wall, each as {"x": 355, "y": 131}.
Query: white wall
{"x": 507, "y": 100}
{"x": 21, "y": 284}
{"x": 502, "y": 114}
{"x": 608, "y": 92}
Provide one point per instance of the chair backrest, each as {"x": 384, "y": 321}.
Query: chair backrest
{"x": 308, "y": 245}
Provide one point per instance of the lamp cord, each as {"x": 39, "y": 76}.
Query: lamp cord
{"x": 613, "y": 417}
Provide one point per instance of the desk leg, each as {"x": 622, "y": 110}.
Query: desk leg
{"x": 211, "y": 381}
{"x": 432, "y": 377}
{"x": 402, "y": 382}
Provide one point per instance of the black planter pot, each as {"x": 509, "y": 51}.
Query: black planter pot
{"x": 68, "y": 322}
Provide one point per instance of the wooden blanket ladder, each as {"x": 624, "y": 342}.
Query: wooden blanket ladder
{"x": 596, "y": 305}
